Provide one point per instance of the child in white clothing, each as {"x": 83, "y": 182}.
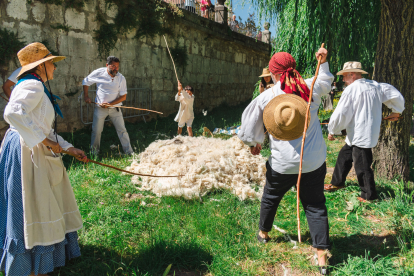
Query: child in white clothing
{"x": 186, "y": 114}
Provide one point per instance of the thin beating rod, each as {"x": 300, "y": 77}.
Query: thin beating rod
{"x": 171, "y": 58}
{"x": 303, "y": 143}
{"x": 4, "y": 98}
{"x": 118, "y": 169}
{"x": 121, "y": 106}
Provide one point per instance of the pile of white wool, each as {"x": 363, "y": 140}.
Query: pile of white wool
{"x": 206, "y": 163}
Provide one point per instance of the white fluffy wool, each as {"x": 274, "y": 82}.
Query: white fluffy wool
{"x": 206, "y": 163}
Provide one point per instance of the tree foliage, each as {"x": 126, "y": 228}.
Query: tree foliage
{"x": 349, "y": 29}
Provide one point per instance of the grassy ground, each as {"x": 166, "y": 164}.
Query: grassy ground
{"x": 217, "y": 236}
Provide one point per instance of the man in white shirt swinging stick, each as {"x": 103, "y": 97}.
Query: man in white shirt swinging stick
{"x": 111, "y": 92}
{"x": 359, "y": 111}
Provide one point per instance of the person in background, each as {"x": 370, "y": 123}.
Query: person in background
{"x": 185, "y": 114}
{"x": 359, "y": 111}
{"x": 111, "y": 92}
{"x": 234, "y": 24}
{"x": 205, "y": 4}
{"x": 11, "y": 81}
{"x": 266, "y": 81}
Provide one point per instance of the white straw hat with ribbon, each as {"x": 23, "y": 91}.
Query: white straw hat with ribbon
{"x": 352, "y": 66}
{"x": 34, "y": 54}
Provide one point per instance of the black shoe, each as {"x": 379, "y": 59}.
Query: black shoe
{"x": 324, "y": 270}
{"x": 262, "y": 240}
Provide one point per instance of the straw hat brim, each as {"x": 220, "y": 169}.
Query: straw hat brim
{"x": 351, "y": 70}
{"x": 271, "y": 125}
{"x": 264, "y": 75}
{"x": 36, "y": 63}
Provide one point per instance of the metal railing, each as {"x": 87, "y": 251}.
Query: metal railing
{"x": 136, "y": 97}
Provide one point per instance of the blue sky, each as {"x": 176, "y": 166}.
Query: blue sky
{"x": 244, "y": 10}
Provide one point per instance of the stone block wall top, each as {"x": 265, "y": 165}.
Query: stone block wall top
{"x": 17, "y": 9}
{"x": 75, "y": 19}
{"x": 55, "y": 14}
{"x": 39, "y": 12}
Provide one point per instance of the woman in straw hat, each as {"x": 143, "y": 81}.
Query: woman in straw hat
{"x": 282, "y": 109}
{"x": 266, "y": 81}
{"x": 40, "y": 216}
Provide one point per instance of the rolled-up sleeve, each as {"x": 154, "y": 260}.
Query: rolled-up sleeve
{"x": 342, "y": 115}
{"x": 252, "y": 130}
{"x": 62, "y": 142}
{"x": 323, "y": 81}
{"x": 90, "y": 79}
{"x": 392, "y": 98}
{"x": 17, "y": 114}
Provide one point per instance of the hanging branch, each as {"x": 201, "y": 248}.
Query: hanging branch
{"x": 303, "y": 142}
{"x": 171, "y": 58}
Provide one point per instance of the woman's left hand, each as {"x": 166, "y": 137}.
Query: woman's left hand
{"x": 81, "y": 156}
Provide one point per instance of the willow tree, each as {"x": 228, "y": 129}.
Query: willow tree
{"x": 379, "y": 33}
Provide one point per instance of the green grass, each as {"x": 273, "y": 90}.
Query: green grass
{"x": 216, "y": 236}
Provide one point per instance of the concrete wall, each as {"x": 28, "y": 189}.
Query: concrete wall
{"x": 223, "y": 65}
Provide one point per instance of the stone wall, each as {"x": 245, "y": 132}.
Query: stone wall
{"x": 223, "y": 65}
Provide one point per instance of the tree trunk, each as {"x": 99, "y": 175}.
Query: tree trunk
{"x": 394, "y": 65}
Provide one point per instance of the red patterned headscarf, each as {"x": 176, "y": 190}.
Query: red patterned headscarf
{"x": 291, "y": 81}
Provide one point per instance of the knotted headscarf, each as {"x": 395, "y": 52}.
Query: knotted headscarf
{"x": 291, "y": 82}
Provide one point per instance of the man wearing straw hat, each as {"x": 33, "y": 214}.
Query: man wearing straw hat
{"x": 359, "y": 111}
{"x": 112, "y": 91}
{"x": 266, "y": 80}
{"x": 283, "y": 109}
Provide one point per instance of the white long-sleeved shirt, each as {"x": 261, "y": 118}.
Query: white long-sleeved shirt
{"x": 185, "y": 112}
{"x": 108, "y": 88}
{"x": 359, "y": 111}
{"x": 285, "y": 156}
{"x": 31, "y": 113}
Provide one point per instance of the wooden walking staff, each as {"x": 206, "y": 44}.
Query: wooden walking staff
{"x": 118, "y": 169}
{"x": 303, "y": 143}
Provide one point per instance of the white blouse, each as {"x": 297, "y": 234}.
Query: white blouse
{"x": 359, "y": 111}
{"x": 32, "y": 114}
{"x": 285, "y": 156}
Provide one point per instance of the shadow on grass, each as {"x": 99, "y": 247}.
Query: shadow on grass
{"x": 153, "y": 260}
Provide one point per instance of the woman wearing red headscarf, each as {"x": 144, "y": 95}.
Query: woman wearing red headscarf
{"x": 285, "y": 144}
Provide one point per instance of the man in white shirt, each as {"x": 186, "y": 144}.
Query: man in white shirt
{"x": 359, "y": 111}
{"x": 111, "y": 92}
{"x": 11, "y": 81}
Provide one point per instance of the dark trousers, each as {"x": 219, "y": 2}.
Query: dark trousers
{"x": 362, "y": 159}
{"x": 312, "y": 198}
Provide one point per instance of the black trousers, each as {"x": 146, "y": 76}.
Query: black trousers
{"x": 312, "y": 198}
{"x": 362, "y": 159}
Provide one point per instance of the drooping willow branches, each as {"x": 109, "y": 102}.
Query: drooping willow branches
{"x": 349, "y": 29}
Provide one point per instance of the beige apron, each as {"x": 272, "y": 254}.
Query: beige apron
{"x": 49, "y": 206}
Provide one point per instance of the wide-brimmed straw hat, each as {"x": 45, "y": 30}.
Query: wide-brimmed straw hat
{"x": 352, "y": 66}
{"x": 265, "y": 73}
{"x": 34, "y": 54}
{"x": 284, "y": 117}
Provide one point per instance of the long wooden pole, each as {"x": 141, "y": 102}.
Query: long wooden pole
{"x": 136, "y": 108}
{"x": 166, "y": 43}
{"x": 303, "y": 144}
{"x": 4, "y": 98}
{"x": 118, "y": 169}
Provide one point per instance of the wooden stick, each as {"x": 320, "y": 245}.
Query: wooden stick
{"x": 136, "y": 108}
{"x": 118, "y": 169}
{"x": 303, "y": 143}
{"x": 171, "y": 58}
